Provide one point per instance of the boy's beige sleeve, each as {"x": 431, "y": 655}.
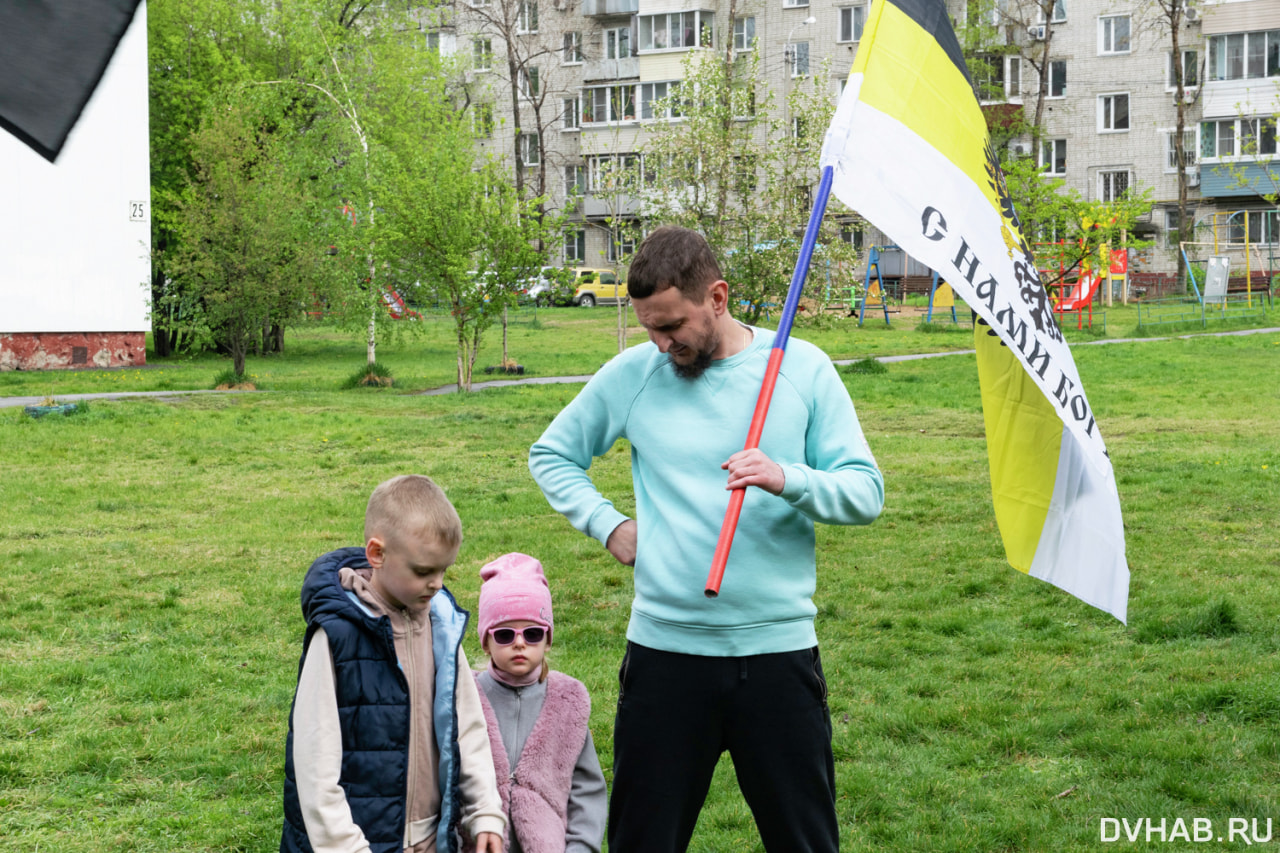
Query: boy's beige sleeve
{"x": 317, "y": 756}
{"x": 478, "y": 781}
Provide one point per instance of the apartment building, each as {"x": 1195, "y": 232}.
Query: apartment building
{"x": 568, "y": 88}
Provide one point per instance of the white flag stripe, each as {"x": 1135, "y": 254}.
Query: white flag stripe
{"x": 892, "y": 177}
{"x": 1081, "y": 548}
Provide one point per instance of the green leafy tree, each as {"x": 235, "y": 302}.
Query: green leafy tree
{"x": 196, "y": 50}
{"x": 1070, "y": 231}
{"x": 246, "y": 258}
{"x": 449, "y": 219}
{"x": 741, "y": 172}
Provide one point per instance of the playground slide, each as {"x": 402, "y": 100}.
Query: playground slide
{"x": 1081, "y": 293}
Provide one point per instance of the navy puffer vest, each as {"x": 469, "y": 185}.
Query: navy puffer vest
{"x": 373, "y": 709}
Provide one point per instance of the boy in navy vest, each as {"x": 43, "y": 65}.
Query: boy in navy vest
{"x": 388, "y": 749}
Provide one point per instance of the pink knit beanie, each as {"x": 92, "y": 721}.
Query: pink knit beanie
{"x": 514, "y": 588}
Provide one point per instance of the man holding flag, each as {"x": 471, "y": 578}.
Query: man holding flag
{"x": 739, "y": 672}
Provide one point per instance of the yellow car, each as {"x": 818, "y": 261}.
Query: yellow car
{"x": 598, "y": 287}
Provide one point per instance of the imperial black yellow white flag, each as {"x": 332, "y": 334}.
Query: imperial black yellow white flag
{"x": 909, "y": 150}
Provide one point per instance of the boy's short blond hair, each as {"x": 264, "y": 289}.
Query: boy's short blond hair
{"x": 412, "y": 505}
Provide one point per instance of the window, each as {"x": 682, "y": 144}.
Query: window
{"x": 1059, "y": 12}
{"x": 1013, "y": 78}
{"x": 441, "y": 42}
{"x": 529, "y": 82}
{"x": 744, "y": 99}
{"x": 476, "y": 4}
{"x": 608, "y": 104}
{"x": 852, "y": 20}
{"x": 987, "y": 70}
{"x": 575, "y": 245}
{"x": 1113, "y": 185}
{"x": 802, "y": 199}
{"x": 1241, "y": 55}
{"x": 1257, "y": 136}
{"x": 482, "y": 120}
{"x": 744, "y": 174}
{"x": 1057, "y": 78}
{"x": 1171, "y": 150}
{"x": 799, "y": 128}
{"x": 794, "y": 4}
{"x": 1113, "y": 113}
{"x": 482, "y": 49}
{"x": 572, "y": 113}
{"x": 530, "y": 154}
{"x": 608, "y": 172}
{"x": 1172, "y": 228}
{"x": 653, "y": 93}
{"x": 1246, "y": 137}
{"x": 798, "y": 57}
{"x": 1190, "y": 70}
{"x": 1261, "y": 226}
{"x": 621, "y": 246}
{"x": 853, "y": 233}
{"x": 676, "y": 30}
{"x": 617, "y": 43}
{"x": 1113, "y": 35}
{"x": 1053, "y": 156}
{"x": 572, "y": 52}
{"x": 744, "y": 33}
{"x": 527, "y": 17}
{"x": 575, "y": 180}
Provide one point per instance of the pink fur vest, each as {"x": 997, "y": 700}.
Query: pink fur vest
{"x": 536, "y": 797}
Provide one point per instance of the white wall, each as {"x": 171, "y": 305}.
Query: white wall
{"x": 71, "y": 259}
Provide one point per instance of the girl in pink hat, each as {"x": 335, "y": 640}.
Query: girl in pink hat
{"x": 549, "y": 777}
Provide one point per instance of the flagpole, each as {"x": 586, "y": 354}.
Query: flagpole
{"x": 730, "y": 525}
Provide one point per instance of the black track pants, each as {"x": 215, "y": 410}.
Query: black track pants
{"x": 677, "y": 713}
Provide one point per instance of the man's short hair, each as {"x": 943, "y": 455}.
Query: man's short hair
{"x": 673, "y": 257}
{"x": 412, "y": 505}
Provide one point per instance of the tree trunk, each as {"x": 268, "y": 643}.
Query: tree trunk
{"x": 471, "y": 358}
{"x": 1179, "y": 94}
{"x": 513, "y": 69}
{"x": 161, "y": 338}
{"x": 504, "y": 336}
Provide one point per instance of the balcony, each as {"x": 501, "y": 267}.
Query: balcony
{"x": 602, "y": 206}
{"x": 1242, "y": 178}
{"x": 626, "y": 68}
{"x": 610, "y": 7}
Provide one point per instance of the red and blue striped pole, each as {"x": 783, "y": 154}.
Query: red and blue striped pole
{"x": 730, "y": 525}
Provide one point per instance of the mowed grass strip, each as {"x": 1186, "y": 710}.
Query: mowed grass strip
{"x": 545, "y": 341}
{"x": 149, "y": 621}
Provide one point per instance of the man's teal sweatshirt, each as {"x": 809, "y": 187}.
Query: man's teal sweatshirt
{"x": 681, "y": 431}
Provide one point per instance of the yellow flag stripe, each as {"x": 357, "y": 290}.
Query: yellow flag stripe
{"x": 909, "y": 76}
{"x": 1024, "y": 439}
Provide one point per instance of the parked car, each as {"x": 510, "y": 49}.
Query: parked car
{"x": 553, "y": 286}
{"x": 598, "y": 287}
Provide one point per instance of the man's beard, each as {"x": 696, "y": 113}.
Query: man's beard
{"x": 693, "y": 369}
{"x": 706, "y": 347}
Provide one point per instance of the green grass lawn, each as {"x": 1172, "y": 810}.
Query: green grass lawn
{"x": 149, "y": 621}
{"x": 546, "y": 341}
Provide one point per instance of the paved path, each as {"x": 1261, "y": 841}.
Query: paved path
{"x": 7, "y": 402}
{"x": 884, "y": 359}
